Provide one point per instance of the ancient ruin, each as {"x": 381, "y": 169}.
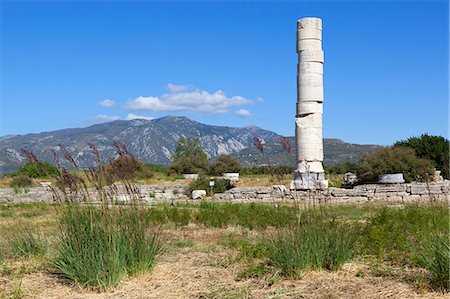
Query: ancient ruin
{"x": 308, "y": 122}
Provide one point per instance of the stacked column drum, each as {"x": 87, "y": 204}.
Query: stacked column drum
{"x": 308, "y": 122}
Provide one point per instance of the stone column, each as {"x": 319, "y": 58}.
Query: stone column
{"x": 308, "y": 121}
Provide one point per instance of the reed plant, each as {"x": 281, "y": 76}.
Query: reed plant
{"x": 314, "y": 244}
{"x": 101, "y": 242}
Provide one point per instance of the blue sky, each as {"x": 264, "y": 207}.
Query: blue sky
{"x": 224, "y": 63}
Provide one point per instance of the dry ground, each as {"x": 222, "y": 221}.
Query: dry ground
{"x": 196, "y": 264}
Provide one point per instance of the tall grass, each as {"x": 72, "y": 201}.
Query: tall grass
{"x": 313, "y": 245}
{"x": 102, "y": 242}
{"x": 433, "y": 254}
{"x": 27, "y": 243}
{"x": 100, "y": 245}
{"x": 416, "y": 235}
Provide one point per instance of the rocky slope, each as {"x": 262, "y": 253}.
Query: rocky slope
{"x": 154, "y": 141}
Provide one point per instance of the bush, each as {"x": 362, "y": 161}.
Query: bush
{"x": 434, "y": 148}
{"x": 314, "y": 245}
{"x": 21, "y": 181}
{"x": 100, "y": 245}
{"x": 128, "y": 167}
{"x": 202, "y": 183}
{"x": 341, "y": 168}
{"x": 225, "y": 163}
{"x": 190, "y": 157}
{"x": 38, "y": 170}
{"x": 393, "y": 160}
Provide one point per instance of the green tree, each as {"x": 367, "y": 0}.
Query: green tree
{"x": 189, "y": 157}
{"x": 394, "y": 160}
{"x": 225, "y": 163}
{"x": 38, "y": 170}
{"x": 434, "y": 148}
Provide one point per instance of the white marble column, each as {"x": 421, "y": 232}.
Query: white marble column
{"x": 308, "y": 121}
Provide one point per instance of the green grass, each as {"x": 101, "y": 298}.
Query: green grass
{"x": 26, "y": 243}
{"x": 415, "y": 235}
{"x": 314, "y": 245}
{"x": 433, "y": 255}
{"x": 100, "y": 245}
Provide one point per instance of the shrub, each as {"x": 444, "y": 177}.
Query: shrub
{"x": 190, "y": 157}
{"x": 341, "y": 168}
{"x": 314, "y": 245}
{"x": 99, "y": 246}
{"x": 202, "y": 183}
{"x": 26, "y": 243}
{"x": 38, "y": 170}
{"x": 393, "y": 160}
{"x": 128, "y": 167}
{"x": 21, "y": 181}
{"x": 225, "y": 163}
{"x": 434, "y": 148}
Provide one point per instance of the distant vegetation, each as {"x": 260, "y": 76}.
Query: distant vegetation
{"x": 37, "y": 170}
{"x": 190, "y": 157}
{"x": 434, "y": 148}
{"x": 394, "y": 160}
{"x": 414, "y": 157}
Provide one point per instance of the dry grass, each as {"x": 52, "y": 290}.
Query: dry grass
{"x": 198, "y": 271}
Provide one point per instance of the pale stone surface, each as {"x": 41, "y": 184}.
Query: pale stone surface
{"x": 308, "y": 123}
{"x": 391, "y": 178}
{"x": 309, "y": 107}
{"x": 196, "y": 194}
{"x": 311, "y": 56}
{"x": 193, "y": 176}
{"x": 231, "y": 175}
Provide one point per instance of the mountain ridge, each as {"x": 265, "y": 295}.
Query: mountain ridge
{"x": 152, "y": 141}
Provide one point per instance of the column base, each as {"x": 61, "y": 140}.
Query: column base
{"x": 309, "y": 181}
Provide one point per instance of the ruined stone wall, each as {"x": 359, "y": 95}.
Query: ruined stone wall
{"x": 396, "y": 193}
{"x": 148, "y": 193}
{"x": 413, "y": 192}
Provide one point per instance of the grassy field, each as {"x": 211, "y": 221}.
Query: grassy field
{"x": 223, "y": 251}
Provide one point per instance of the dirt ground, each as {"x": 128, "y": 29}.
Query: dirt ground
{"x": 196, "y": 264}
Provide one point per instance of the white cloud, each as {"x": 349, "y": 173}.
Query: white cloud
{"x": 183, "y": 99}
{"x": 131, "y": 116}
{"x": 243, "y": 113}
{"x": 177, "y": 88}
{"x": 102, "y": 118}
{"x": 106, "y": 103}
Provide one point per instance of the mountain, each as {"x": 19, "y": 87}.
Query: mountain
{"x": 335, "y": 151}
{"x": 154, "y": 141}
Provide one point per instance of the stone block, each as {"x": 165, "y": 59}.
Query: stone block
{"x": 391, "y": 188}
{"x": 310, "y": 167}
{"x": 197, "y": 194}
{"x": 308, "y": 55}
{"x": 309, "y": 107}
{"x": 309, "y": 33}
{"x": 309, "y": 44}
{"x": 309, "y": 22}
{"x": 278, "y": 191}
{"x": 391, "y": 178}
{"x": 310, "y": 67}
{"x": 310, "y": 124}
